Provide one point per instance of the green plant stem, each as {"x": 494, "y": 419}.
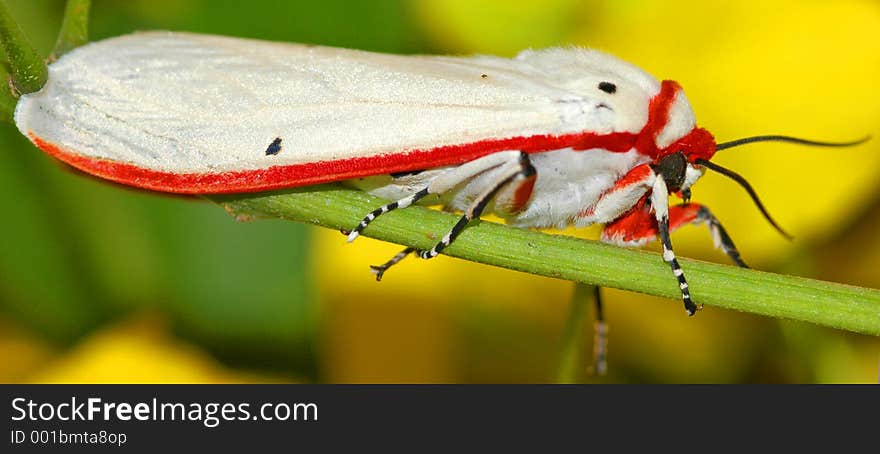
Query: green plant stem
{"x": 570, "y": 363}
{"x": 29, "y": 71}
{"x": 563, "y": 257}
{"x": 74, "y": 28}
{"x": 7, "y": 99}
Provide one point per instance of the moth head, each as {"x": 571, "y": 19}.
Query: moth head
{"x": 682, "y": 152}
{"x": 678, "y": 173}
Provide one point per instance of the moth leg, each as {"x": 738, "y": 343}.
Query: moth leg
{"x": 371, "y": 216}
{"x": 379, "y": 270}
{"x": 638, "y": 227}
{"x": 695, "y": 213}
{"x": 660, "y": 205}
{"x": 600, "y": 335}
{"x": 442, "y": 183}
{"x": 520, "y": 169}
{"x": 719, "y": 235}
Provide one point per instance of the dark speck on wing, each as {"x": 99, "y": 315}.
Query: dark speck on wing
{"x": 607, "y": 87}
{"x": 274, "y": 147}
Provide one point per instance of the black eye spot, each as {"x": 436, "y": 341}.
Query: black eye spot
{"x": 484, "y": 76}
{"x": 607, "y": 87}
{"x": 274, "y": 147}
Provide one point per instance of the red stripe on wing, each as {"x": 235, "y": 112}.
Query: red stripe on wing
{"x": 279, "y": 177}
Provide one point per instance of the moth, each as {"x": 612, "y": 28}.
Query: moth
{"x": 549, "y": 138}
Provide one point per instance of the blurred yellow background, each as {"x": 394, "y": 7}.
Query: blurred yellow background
{"x": 101, "y": 284}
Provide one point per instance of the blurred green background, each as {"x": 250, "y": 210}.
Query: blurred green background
{"x": 103, "y": 284}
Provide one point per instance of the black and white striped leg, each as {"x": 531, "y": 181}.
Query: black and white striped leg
{"x": 660, "y": 205}
{"x": 600, "y": 336}
{"x": 521, "y": 169}
{"x": 722, "y": 239}
{"x": 444, "y": 182}
{"x": 379, "y": 270}
{"x": 669, "y": 257}
{"x": 440, "y": 184}
{"x": 402, "y": 203}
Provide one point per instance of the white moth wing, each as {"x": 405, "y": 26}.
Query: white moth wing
{"x": 180, "y": 102}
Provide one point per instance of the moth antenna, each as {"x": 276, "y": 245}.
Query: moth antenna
{"x": 797, "y": 140}
{"x": 767, "y": 138}
{"x": 745, "y": 184}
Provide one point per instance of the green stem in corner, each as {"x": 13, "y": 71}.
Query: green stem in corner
{"x": 7, "y": 99}
{"x": 74, "y": 28}
{"x": 29, "y": 71}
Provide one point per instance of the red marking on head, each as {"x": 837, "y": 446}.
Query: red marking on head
{"x": 698, "y": 143}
